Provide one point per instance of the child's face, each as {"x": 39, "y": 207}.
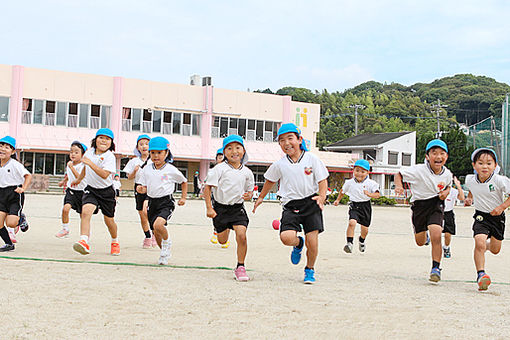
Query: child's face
{"x": 290, "y": 142}
{"x": 6, "y": 151}
{"x": 158, "y": 157}
{"x": 485, "y": 165}
{"x": 437, "y": 157}
{"x": 219, "y": 158}
{"x": 75, "y": 154}
{"x": 359, "y": 173}
{"x": 143, "y": 146}
{"x": 234, "y": 153}
{"x": 103, "y": 143}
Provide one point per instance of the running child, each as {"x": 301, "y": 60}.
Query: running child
{"x": 218, "y": 159}
{"x": 430, "y": 185}
{"x": 449, "y": 216}
{"x": 302, "y": 175}
{"x": 99, "y": 167}
{"x": 133, "y": 170}
{"x": 14, "y": 180}
{"x": 231, "y": 183}
{"x": 488, "y": 190}
{"x": 158, "y": 180}
{"x": 360, "y": 189}
{"x": 74, "y": 195}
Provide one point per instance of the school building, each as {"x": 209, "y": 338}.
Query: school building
{"x": 46, "y": 110}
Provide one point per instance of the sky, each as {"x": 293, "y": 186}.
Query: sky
{"x": 242, "y": 45}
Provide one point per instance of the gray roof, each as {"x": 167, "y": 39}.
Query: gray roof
{"x": 367, "y": 139}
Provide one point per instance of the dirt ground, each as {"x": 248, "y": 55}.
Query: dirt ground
{"x": 380, "y": 294}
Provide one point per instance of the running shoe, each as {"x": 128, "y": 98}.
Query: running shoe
{"x": 115, "y": 249}
{"x": 12, "y": 236}
{"x": 164, "y": 255}
{"x": 214, "y": 239}
{"x": 240, "y": 274}
{"x": 309, "y": 276}
{"x": 23, "y": 224}
{"x": 435, "y": 275}
{"x": 295, "y": 255}
{"x": 362, "y": 247}
{"x": 7, "y": 247}
{"x": 82, "y": 247}
{"x": 147, "y": 243}
{"x": 483, "y": 281}
{"x": 225, "y": 245}
{"x": 348, "y": 247}
{"x": 447, "y": 252}
{"x": 62, "y": 233}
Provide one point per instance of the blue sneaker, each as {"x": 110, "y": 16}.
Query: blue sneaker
{"x": 295, "y": 255}
{"x": 22, "y": 223}
{"x": 309, "y": 276}
{"x": 435, "y": 275}
{"x": 427, "y": 242}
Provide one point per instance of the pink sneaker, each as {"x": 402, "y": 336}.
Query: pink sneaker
{"x": 62, "y": 233}
{"x": 12, "y": 236}
{"x": 240, "y": 274}
{"x": 147, "y": 243}
{"x": 154, "y": 242}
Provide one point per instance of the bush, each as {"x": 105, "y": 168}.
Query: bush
{"x": 383, "y": 200}
{"x": 333, "y": 196}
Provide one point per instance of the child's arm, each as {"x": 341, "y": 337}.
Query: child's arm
{"x": 70, "y": 165}
{"x": 79, "y": 179}
{"x": 399, "y": 185}
{"x": 376, "y": 194}
{"x": 63, "y": 181}
{"x": 99, "y": 171}
{"x": 26, "y": 183}
{"x": 132, "y": 174}
{"x": 323, "y": 187}
{"x": 460, "y": 195}
{"x": 469, "y": 200}
{"x": 340, "y": 195}
{"x": 184, "y": 193}
{"x": 265, "y": 190}
{"x": 501, "y": 208}
{"x": 443, "y": 194}
{"x": 211, "y": 213}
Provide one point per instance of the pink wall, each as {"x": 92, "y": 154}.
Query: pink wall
{"x": 15, "y": 103}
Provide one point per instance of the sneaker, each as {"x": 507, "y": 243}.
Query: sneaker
{"x": 7, "y": 247}
{"x": 483, "y": 281}
{"x": 164, "y": 255}
{"x": 225, "y": 245}
{"x": 154, "y": 242}
{"x": 240, "y": 274}
{"x": 12, "y": 236}
{"x": 427, "y": 242}
{"x": 214, "y": 239}
{"x": 82, "y": 247}
{"x": 309, "y": 276}
{"x": 435, "y": 275}
{"x": 115, "y": 249}
{"x": 23, "y": 224}
{"x": 62, "y": 233}
{"x": 362, "y": 247}
{"x": 295, "y": 255}
{"x": 147, "y": 243}
{"x": 348, "y": 247}
{"x": 447, "y": 253}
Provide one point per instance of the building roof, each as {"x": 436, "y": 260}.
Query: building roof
{"x": 367, "y": 139}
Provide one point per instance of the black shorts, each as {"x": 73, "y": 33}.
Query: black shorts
{"x": 361, "y": 212}
{"x": 10, "y": 201}
{"x": 228, "y": 216}
{"x": 74, "y": 198}
{"x": 304, "y": 213}
{"x": 492, "y": 226}
{"x": 449, "y": 222}
{"x": 160, "y": 207}
{"x": 140, "y": 198}
{"x": 103, "y": 198}
{"x": 427, "y": 212}
{"x": 117, "y": 192}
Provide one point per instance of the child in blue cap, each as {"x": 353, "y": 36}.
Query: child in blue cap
{"x": 430, "y": 185}
{"x": 217, "y": 160}
{"x": 132, "y": 169}
{"x": 74, "y": 195}
{"x": 231, "y": 183}
{"x": 100, "y": 165}
{"x": 158, "y": 180}
{"x": 360, "y": 189}
{"x": 303, "y": 185}
{"x": 488, "y": 189}
{"x": 14, "y": 180}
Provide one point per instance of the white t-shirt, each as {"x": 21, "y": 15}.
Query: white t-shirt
{"x": 116, "y": 184}
{"x": 229, "y": 184}
{"x": 489, "y": 194}
{"x": 71, "y": 177}
{"x": 424, "y": 182}
{"x": 131, "y": 165}
{"x": 356, "y": 189}
{"x": 160, "y": 182}
{"x": 297, "y": 180}
{"x": 450, "y": 200}
{"x": 12, "y": 173}
{"x": 105, "y": 161}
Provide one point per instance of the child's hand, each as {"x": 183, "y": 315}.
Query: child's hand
{"x": 136, "y": 168}
{"x": 75, "y": 183}
{"x": 336, "y": 203}
{"x": 19, "y": 190}
{"x": 257, "y": 203}
{"x": 399, "y": 190}
{"x": 211, "y": 213}
{"x": 182, "y": 201}
{"x": 70, "y": 163}
{"x": 248, "y": 195}
{"x": 366, "y": 192}
{"x": 86, "y": 161}
{"x": 61, "y": 183}
{"x": 320, "y": 201}
{"x": 443, "y": 194}
{"x": 468, "y": 201}
{"x": 457, "y": 182}
{"x": 497, "y": 211}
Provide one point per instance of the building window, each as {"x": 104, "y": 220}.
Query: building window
{"x": 84, "y": 115}
{"x": 392, "y": 158}
{"x": 167, "y": 122}
{"x": 250, "y": 133}
{"x": 156, "y": 121}
{"x": 49, "y": 117}
{"x": 176, "y": 122}
{"x": 186, "y": 124}
{"x": 105, "y": 116}
{"x": 406, "y": 159}
{"x": 28, "y": 161}
{"x": 147, "y": 121}
{"x": 241, "y": 130}
{"x": 223, "y": 127}
{"x": 72, "y": 117}
{"x": 38, "y": 111}
{"x": 195, "y": 128}
{"x": 39, "y": 163}
{"x": 61, "y": 163}
{"x": 135, "y": 119}
{"x": 4, "y": 109}
{"x": 259, "y": 134}
{"x": 61, "y": 113}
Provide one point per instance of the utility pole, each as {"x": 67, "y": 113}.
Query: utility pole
{"x": 437, "y": 107}
{"x": 356, "y": 107}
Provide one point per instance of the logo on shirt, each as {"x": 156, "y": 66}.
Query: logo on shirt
{"x": 308, "y": 171}
{"x": 165, "y": 178}
{"x": 491, "y": 187}
{"x": 479, "y": 218}
{"x": 441, "y": 186}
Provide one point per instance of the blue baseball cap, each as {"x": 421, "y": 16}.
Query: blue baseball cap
{"x": 473, "y": 155}
{"x": 105, "y": 132}
{"x": 159, "y": 144}
{"x": 362, "y": 163}
{"x": 291, "y": 127}
{"x": 84, "y": 147}
{"x": 220, "y": 151}
{"x": 9, "y": 140}
{"x": 436, "y": 143}
{"x": 235, "y": 139}
{"x": 142, "y": 137}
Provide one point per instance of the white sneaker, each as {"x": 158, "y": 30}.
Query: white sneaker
{"x": 362, "y": 247}
{"x": 348, "y": 247}
{"x": 164, "y": 255}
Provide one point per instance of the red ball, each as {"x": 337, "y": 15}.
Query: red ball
{"x": 276, "y": 224}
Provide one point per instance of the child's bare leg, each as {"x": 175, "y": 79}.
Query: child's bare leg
{"x": 65, "y": 213}
{"x": 160, "y": 230}
{"x": 86, "y": 214}
{"x": 420, "y": 238}
{"x": 435, "y": 232}
{"x": 364, "y": 232}
{"x": 242, "y": 244}
{"x": 447, "y": 239}
{"x": 112, "y": 226}
{"x": 223, "y": 236}
{"x": 289, "y": 238}
{"x": 11, "y": 221}
{"x": 312, "y": 247}
{"x": 495, "y": 245}
{"x": 350, "y": 228}
{"x": 479, "y": 252}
